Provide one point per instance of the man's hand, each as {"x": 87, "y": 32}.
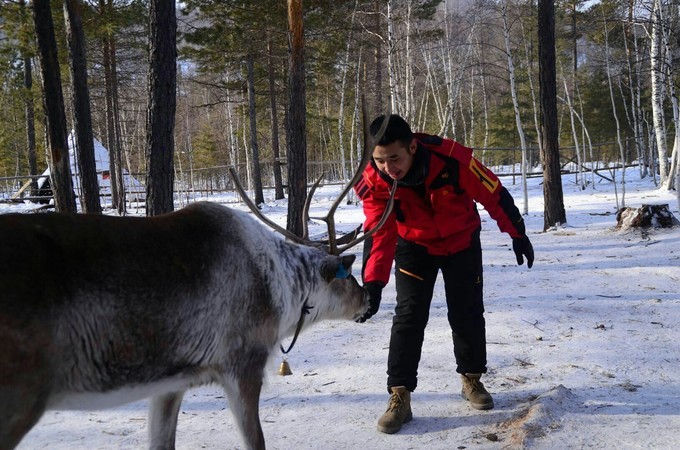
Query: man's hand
{"x": 522, "y": 247}
{"x": 374, "y": 289}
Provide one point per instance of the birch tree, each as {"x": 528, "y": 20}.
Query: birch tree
{"x": 455, "y": 59}
{"x": 634, "y": 67}
{"x": 572, "y": 114}
{"x": 616, "y": 118}
{"x": 343, "y": 84}
{"x": 530, "y": 69}
{"x": 669, "y": 74}
{"x": 515, "y": 104}
{"x": 658, "y": 83}
{"x": 232, "y": 140}
{"x": 395, "y": 101}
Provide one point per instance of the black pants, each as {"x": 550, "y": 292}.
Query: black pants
{"x": 415, "y": 274}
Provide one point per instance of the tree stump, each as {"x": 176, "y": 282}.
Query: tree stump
{"x": 646, "y": 216}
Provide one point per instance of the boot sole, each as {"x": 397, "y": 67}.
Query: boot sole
{"x": 480, "y": 406}
{"x": 388, "y": 430}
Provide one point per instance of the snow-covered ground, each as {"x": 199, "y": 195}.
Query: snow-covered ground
{"x": 583, "y": 352}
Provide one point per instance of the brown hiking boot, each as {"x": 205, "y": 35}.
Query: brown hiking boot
{"x": 398, "y": 411}
{"x": 474, "y": 392}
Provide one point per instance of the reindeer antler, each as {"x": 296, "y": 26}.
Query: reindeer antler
{"x": 249, "y": 203}
{"x": 329, "y": 218}
{"x": 369, "y": 144}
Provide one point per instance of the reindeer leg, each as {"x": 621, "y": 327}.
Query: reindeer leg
{"x": 163, "y": 412}
{"x": 20, "y": 411}
{"x": 244, "y": 400}
{"x": 243, "y": 391}
{"x": 25, "y": 377}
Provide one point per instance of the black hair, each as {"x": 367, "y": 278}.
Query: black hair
{"x": 397, "y": 130}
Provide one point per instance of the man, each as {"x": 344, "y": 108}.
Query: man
{"x": 433, "y": 227}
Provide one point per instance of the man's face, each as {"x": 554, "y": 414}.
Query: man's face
{"x": 394, "y": 159}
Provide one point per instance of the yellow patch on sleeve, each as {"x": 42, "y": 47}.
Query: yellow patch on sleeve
{"x": 480, "y": 171}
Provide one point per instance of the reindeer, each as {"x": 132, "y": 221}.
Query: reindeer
{"x": 98, "y": 311}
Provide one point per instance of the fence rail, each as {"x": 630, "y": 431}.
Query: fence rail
{"x": 205, "y": 182}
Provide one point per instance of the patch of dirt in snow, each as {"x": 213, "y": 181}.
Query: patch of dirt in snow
{"x": 538, "y": 417}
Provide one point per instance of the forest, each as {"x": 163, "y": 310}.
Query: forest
{"x": 465, "y": 69}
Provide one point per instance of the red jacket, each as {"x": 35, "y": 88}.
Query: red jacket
{"x": 437, "y": 209}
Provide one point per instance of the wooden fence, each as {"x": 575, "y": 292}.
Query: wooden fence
{"x": 206, "y": 182}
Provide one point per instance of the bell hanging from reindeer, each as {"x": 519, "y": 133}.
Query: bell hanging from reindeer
{"x": 284, "y": 368}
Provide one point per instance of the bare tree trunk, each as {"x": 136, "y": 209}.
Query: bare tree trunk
{"x": 355, "y": 139}
{"x": 247, "y": 154}
{"x": 657, "y": 61}
{"x": 110, "y": 138}
{"x": 395, "y": 98}
{"x": 378, "y": 60}
{"x": 409, "y": 107}
{"x": 62, "y": 183}
{"x": 296, "y": 122}
{"x": 118, "y": 168}
{"x": 633, "y": 75}
{"x": 677, "y": 179}
{"x": 473, "y": 112}
{"x": 528, "y": 53}
{"x": 231, "y": 137}
{"x": 113, "y": 124}
{"x": 669, "y": 69}
{"x": 554, "y": 213}
{"x": 343, "y": 83}
{"x": 83, "y": 139}
{"x": 254, "y": 148}
{"x": 278, "y": 179}
{"x": 574, "y": 86}
{"x": 454, "y": 70}
{"x": 433, "y": 86}
{"x": 515, "y": 104}
{"x": 160, "y": 141}
{"x": 572, "y": 113}
{"x": 485, "y": 96}
{"x": 29, "y": 109}
{"x": 616, "y": 119}
{"x": 642, "y": 134}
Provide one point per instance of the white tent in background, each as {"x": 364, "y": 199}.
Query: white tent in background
{"x": 134, "y": 190}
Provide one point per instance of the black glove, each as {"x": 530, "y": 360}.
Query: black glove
{"x": 522, "y": 247}
{"x": 374, "y": 289}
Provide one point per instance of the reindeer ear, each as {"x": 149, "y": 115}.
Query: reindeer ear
{"x": 337, "y": 267}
